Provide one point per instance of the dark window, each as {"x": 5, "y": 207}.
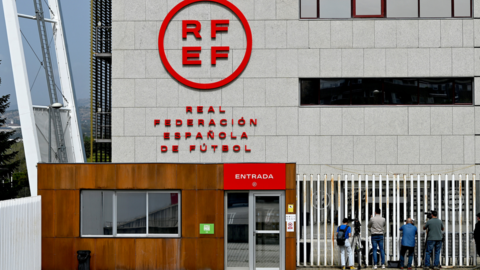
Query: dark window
{"x": 138, "y": 213}
{"x": 435, "y": 91}
{"x": 336, "y": 92}
{"x": 309, "y": 91}
{"x": 463, "y": 91}
{"x": 388, "y": 91}
{"x": 401, "y": 91}
{"x": 366, "y": 91}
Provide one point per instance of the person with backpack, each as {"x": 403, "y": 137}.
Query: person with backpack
{"x": 343, "y": 233}
{"x": 408, "y": 243}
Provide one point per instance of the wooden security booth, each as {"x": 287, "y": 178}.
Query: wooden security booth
{"x": 168, "y": 216}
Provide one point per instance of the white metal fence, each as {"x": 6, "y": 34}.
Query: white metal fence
{"x": 323, "y": 202}
{"x": 20, "y": 233}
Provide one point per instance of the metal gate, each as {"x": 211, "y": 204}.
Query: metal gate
{"x": 322, "y": 203}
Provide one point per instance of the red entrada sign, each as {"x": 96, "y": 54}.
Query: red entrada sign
{"x": 191, "y": 54}
{"x": 248, "y": 176}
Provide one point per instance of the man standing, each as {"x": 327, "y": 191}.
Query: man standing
{"x": 408, "y": 243}
{"x": 347, "y": 232}
{"x": 477, "y": 234}
{"x": 434, "y": 239}
{"x": 377, "y": 227}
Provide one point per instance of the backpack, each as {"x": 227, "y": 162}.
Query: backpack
{"x": 341, "y": 236}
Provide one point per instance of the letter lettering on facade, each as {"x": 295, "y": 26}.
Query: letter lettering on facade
{"x": 186, "y": 54}
{"x": 195, "y": 30}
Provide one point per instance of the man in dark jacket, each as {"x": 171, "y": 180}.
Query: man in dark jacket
{"x": 477, "y": 234}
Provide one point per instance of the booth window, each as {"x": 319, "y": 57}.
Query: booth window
{"x": 338, "y": 9}
{"x": 126, "y": 213}
{"x": 386, "y": 91}
{"x": 368, "y": 8}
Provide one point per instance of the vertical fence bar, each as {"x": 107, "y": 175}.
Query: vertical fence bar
{"x": 304, "y": 219}
{"x": 380, "y": 195}
{"x": 453, "y": 220}
{"x": 446, "y": 219}
{"x": 474, "y": 190}
{"x": 345, "y": 215}
{"x": 387, "y": 200}
{"x": 419, "y": 253}
{"x": 394, "y": 239}
{"x": 359, "y": 198}
{"x": 398, "y": 221}
{"x": 404, "y": 201}
{"x": 367, "y": 247}
{"x": 311, "y": 219}
{"x": 298, "y": 217}
{"x": 467, "y": 214}
{"x": 318, "y": 219}
{"x": 460, "y": 223}
{"x": 439, "y": 197}
{"x": 432, "y": 192}
{"x": 339, "y": 201}
{"x": 373, "y": 195}
{"x": 353, "y": 196}
{"x": 325, "y": 218}
{"x": 411, "y": 196}
{"x": 332, "y": 203}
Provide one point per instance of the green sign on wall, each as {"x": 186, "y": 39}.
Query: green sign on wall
{"x": 207, "y": 228}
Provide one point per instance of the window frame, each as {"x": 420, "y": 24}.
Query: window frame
{"x": 306, "y": 18}
{"x": 453, "y": 10}
{"x": 114, "y": 215}
{"x": 452, "y": 79}
{"x": 354, "y": 11}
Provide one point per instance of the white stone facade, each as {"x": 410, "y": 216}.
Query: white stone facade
{"x": 320, "y": 139}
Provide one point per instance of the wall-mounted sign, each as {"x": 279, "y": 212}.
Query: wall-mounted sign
{"x": 290, "y": 226}
{"x": 290, "y": 208}
{"x": 207, "y": 228}
{"x": 253, "y": 176}
{"x": 191, "y": 54}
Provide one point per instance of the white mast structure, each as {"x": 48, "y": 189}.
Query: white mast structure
{"x": 22, "y": 87}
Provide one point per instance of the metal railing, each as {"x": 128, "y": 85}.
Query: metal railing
{"x": 20, "y": 233}
{"x": 323, "y": 202}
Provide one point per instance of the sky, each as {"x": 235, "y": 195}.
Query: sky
{"x": 76, "y": 21}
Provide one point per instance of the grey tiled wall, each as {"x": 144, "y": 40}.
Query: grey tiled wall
{"x": 370, "y": 139}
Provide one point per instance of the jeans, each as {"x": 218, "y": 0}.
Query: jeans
{"x": 438, "y": 247}
{"x": 403, "y": 250}
{"x": 378, "y": 240}
{"x": 349, "y": 251}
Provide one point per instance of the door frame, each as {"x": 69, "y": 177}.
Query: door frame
{"x": 251, "y": 224}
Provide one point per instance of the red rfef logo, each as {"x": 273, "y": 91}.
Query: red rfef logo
{"x": 189, "y": 52}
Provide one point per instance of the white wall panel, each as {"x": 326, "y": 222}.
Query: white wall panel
{"x": 21, "y": 233}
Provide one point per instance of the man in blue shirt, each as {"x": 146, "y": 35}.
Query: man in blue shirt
{"x": 408, "y": 243}
{"x": 347, "y": 246}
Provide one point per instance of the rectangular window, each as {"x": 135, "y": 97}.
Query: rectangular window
{"x": 130, "y": 213}
{"x": 308, "y": 9}
{"x": 402, "y": 8}
{"x": 339, "y": 9}
{"x": 435, "y": 8}
{"x": 386, "y": 91}
{"x": 335, "y": 9}
{"x": 368, "y": 8}
{"x": 462, "y": 8}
